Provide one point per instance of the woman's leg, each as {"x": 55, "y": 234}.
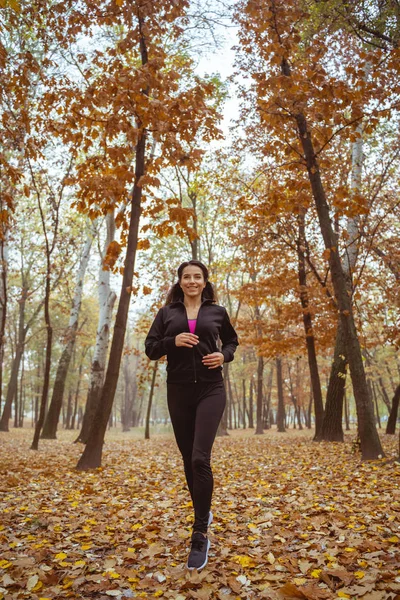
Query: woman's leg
{"x": 210, "y": 407}
{"x": 182, "y": 409}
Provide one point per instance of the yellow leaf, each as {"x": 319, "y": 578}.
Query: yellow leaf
{"x": 350, "y": 549}
{"x": 37, "y": 587}
{"x": 86, "y": 546}
{"x": 244, "y": 561}
{"x": 136, "y": 526}
{"x": 394, "y": 539}
{"x": 4, "y": 564}
{"x": 158, "y": 593}
{"x": 342, "y": 594}
{"x": 316, "y": 573}
{"x": 115, "y": 575}
{"x": 60, "y": 556}
{"x": 362, "y": 563}
{"x": 359, "y": 574}
{"x": 299, "y": 580}
{"x": 330, "y": 557}
{"x": 79, "y": 563}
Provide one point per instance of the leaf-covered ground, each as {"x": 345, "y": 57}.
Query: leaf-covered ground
{"x": 292, "y": 519}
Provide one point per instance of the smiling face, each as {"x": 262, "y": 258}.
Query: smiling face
{"x": 192, "y": 281}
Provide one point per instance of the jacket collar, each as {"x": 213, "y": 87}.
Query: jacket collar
{"x": 180, "y": 303}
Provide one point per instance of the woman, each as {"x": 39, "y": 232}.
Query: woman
{"x": 188, "y": 329}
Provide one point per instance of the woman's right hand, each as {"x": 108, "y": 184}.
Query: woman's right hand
{"x": 186, "y": 340}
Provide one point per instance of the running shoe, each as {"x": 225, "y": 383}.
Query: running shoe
{"x": 198, "y": 556}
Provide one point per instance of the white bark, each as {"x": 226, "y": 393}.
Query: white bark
{"x": 107, "y": 300}
{"x": 80, "y": 276}
{"x": 353, "y": 223}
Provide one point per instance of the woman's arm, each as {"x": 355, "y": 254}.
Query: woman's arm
{"x": 229, "y": 338}
{"x": 156, "y": 344}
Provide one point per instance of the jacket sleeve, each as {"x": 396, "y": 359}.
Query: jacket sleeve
{"x": 229, "y": 338}
{"x": 156, "y": 343}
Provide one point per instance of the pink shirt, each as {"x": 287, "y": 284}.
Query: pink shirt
{"x": 192, "y": 325}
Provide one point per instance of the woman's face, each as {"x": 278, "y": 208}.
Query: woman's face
{"x": 192, "y": 281}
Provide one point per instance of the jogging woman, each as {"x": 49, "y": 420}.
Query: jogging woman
{"x": 188, "y": 330}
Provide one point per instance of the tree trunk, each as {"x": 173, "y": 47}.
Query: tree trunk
{"x": 260, "y": 398}
{"x": 373, "y": 395}
{"x": 251, "y": 406}
{"x": 332, "y": 429}
{"x": 68, "y": 416}
{"x": 391, "y": 424}
{"x": 346, "y": 410}
{"x": 51, "y": 422}
{"x": 334, "y": 402}
{"x": 385, "y": 396}
{"x": 3, "y": 297}
{"x": 126, "y": 408}
{"x": 16, "y": 404}
{"x": 267, "y": 421}
{"x": 107, "y": 300}
{"x": 19, "y": 350}
{"x": 231, "y": 403}
{"x": 371, "y": 447}
{"x": 47, "y": 363}
{"x": 91, "y": 457}
{"x": 308, "y": 327}
{"x": 308, "y": 414}
{"x": 280, "y": 419}
{"x": 244, "y": 403}
{"x": 223, "y": 425}
{"x": 149, "y": 405}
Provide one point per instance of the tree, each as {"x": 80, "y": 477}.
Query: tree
{"x": 289, "y": 105}
{"x": 107, "y": 298}
{"x": 391, "y": 424}
{"x": 50, "y": 243}
{"x": 308, "y": 326}
{"x": 51, "y": 422}
{"x": 170, "y": 116}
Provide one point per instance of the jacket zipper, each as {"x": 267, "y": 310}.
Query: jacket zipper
{"x": 194, "y": 348}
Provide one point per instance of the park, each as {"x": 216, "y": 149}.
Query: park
{"x": 199, "y": 299}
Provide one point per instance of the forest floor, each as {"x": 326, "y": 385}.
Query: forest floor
{"x": 292, "y": 519}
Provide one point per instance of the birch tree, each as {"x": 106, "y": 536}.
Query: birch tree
{"x": 51, "y": 422}
{"x": 107, "y": 298}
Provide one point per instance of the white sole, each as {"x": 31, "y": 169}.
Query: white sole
{"x": 210, "y": 518}
{"x": 204, "y": 563}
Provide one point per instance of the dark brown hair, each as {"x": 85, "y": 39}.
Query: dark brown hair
{"x": 176, "y": 293}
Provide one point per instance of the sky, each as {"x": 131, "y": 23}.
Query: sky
{"x": 221, "y": 60}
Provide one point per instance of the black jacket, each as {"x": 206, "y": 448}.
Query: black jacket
{"x": 184, "y": 364}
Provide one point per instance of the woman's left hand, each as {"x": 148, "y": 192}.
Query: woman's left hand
{"x": 214, "y": 360}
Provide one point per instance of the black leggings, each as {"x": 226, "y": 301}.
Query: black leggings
{"x": 196, "y": 410}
